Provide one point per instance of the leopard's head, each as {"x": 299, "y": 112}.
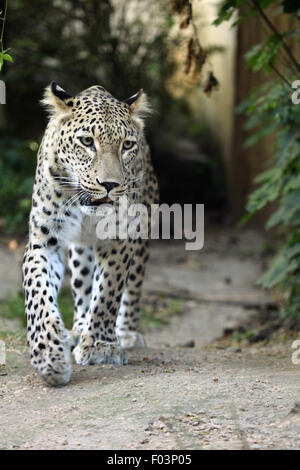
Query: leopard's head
{"x": 97, "y": 143}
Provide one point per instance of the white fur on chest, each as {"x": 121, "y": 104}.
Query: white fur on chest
{"x": 80, "y": 229}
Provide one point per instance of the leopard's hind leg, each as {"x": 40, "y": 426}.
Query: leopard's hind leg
{"x": 81, "y": 265}
{"x": 129, "y": 312}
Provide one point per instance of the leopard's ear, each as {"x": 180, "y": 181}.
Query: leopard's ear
{"x": 139, "y": 106}
{"x": 57, "y": 100}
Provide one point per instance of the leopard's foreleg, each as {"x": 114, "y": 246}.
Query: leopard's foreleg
{"x": 49, "y": 341}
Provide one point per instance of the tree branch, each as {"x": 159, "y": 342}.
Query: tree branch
{"x": 277, "y": 34}
{"x": 280, "y": 75}
{"x": 3, "y": 24}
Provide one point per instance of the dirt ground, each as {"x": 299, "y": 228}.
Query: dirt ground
{"x": 183, "y": 391}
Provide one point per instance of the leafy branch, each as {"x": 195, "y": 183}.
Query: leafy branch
{"x": 3, "y": 52}
{"x": 271, "y": 111}
{"x": 276, "y": 33}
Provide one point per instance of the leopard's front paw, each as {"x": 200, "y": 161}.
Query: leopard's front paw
{"x": 89, "y": 351}
{"x": 84, "y": 351}
{"x": 130, "y": 339}
{"x": 51, "y": 356}
{"x": 109, "y": 353}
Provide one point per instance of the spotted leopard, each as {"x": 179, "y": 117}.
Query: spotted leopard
{"x": 93, "y": 153}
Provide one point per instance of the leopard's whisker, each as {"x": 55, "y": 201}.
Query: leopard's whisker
{"x": 133, "y": 190}
{"x": 71, "y": 201}
{"x": 137, "y": 178}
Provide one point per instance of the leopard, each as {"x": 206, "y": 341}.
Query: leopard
{"x": 93, "y": 153}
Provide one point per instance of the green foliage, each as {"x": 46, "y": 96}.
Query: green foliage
{"x": 271, "y": 112}
{"x": 227, "y": 9}
{"x": 281, "y": 183}
{"x": 13, "y": 307}
{"x": 17, "y": 161}
{"x": 79, "y": 43}
{"x": 262, "y": 56}
{"x": 3, "y": 52}
{"x": 250, "y": 7}
{"x": 239, "y": 336}
{"x": 159, "y": 312}
{"x": 4, "y": 56}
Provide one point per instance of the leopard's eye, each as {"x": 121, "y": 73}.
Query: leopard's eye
{"x": 87, "y": 141}
{"x": 128, "y": 144}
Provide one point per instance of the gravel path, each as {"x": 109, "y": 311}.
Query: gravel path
{"x": 169, "y": 396}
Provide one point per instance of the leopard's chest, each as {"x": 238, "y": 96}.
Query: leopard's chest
{"x": 78, "y": 228}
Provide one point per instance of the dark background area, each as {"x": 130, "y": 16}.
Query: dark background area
{"x": 80, "y": 43}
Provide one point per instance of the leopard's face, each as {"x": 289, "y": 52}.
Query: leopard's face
{"x": 98, "y": 146}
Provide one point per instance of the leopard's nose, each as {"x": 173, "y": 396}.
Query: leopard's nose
{"x": 108, "y": 185}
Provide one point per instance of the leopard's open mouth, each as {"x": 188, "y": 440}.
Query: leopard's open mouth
{"x": 92, "y": 201}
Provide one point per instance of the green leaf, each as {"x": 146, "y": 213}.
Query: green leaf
{"x": 245, "y": 219}
{"x": 292, "y": 251}
{"x": 263, "y": 195}
{"x": 292, "y": 184}
{"x": 280, "y": 267}
{"x": 227, "y": 9}
{"x": 262, "y": 56}
{"x": 262, "y": 133}
{"x": 8, "y": 57}
{"x": 288, "y": 212}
